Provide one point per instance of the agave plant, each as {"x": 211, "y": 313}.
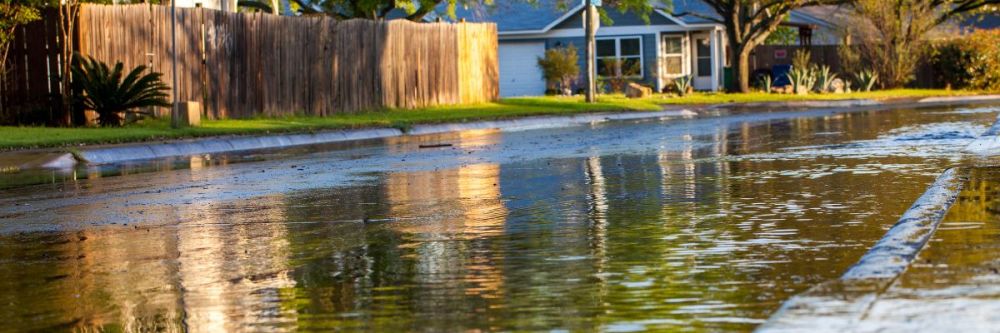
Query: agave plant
{"x": 767, "y": 83}
{"x": 803, "y": 80}
{"x": 866, "y": 79}
{"x": 113, "y": 95}
{"x": 824, "y": 79}
{"x": 683, "y": 85}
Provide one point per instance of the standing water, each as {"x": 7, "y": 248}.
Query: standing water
{"x": 682, "y": 224}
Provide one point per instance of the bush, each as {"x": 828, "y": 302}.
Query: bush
{"x": 969, "y": 62}
{"x": 560, "y": 66}
{"x": 111, "y": 95}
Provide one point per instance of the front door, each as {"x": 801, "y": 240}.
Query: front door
{"x": 702, "y": 62}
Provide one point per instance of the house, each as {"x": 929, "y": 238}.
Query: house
{"x": 223, "y": 5}
{"x": 666, "y": 47}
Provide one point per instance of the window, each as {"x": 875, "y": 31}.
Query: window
{"x": 673, "y": 55}
{"x": 620, "y": 56}
{"x": 704, "y": 51}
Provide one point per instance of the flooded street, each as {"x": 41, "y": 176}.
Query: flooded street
{"x": 686, "y": 224}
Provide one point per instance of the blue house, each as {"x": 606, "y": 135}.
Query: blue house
{"x": 666, "y": 47}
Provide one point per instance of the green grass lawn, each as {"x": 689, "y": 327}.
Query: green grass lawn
{"x": 150, "y": 130}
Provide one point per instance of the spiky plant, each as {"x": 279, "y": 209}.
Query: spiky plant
{"x": 866, "y": 79}
{"x": 767, "y": 84}
{"x": 113, "y": 95}
{"x": 824, "y": 79}
{"x": 683, "y": 85}
{"x": 803, "y": 80}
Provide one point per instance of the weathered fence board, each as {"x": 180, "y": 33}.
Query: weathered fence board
{"x": 242, "y": 65}
{"x": 28, "y": 89}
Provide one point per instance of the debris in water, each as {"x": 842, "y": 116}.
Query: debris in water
{"x": 438, "y": 145}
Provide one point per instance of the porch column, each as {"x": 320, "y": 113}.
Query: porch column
{"x": 659, "y": 62}
{"x": 713, "y": 38}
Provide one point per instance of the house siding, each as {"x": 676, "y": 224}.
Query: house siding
{"x": 648, "y": 52}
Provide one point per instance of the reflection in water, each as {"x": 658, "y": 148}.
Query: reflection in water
{"x": 704, "y": 225}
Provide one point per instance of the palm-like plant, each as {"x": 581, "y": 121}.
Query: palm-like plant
{"x": 866, "y": 79}
{"x": 683, "y": 85}
{"x": 113, "y": 95}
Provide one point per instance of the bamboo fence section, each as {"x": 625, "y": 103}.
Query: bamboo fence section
{"x": 241, "y": 65}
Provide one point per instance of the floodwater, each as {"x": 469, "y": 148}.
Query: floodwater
{"x": 954, "y": 283}
{"x": 703, "y": 224}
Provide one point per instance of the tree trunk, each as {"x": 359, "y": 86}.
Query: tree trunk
{"x": 591, "y": 47}
{"x": 741, "y": 68}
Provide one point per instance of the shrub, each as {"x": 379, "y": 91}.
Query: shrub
{"x": 682, "y": 85}
{"x": 801, "y": 59}
{"x": 803, "y": 79}
{"x": 970, "y": 62}
{"x": 560, "y": 66}
{"x": 105, "y": 91}
{"x": 824, "y": 79}
{"x": 865, "y": 79}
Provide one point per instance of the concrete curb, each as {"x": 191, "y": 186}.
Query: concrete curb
{"x": 840, "y": 305}
{"x": 894, "y": 252}
{"x": 187, "y": 147}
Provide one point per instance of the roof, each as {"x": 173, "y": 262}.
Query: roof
{"x": 521, "y": 17}
{"x": 981, "y": 21}
{"x": 516, "y": 16}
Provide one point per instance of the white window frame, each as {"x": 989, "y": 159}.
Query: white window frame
{"x": 679, "y": 54}
{"x": 618, "y": 55}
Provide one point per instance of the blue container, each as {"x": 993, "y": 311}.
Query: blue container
{"x": 779, "y": 75}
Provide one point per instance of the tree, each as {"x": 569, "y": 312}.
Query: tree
{"x": 748, "y": 23}
{"x": 12, "y": 16}
{"x": 891, "y": 35}
{"x": 560, "y": 65}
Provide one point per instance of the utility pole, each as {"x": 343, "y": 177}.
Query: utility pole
{"x": 590, "y": 31}
{"x": 175, "y": 113}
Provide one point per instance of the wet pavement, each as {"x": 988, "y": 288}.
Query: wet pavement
{"x": 682, "y": 224}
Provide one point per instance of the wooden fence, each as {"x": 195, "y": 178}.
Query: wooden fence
{"x": 29, "y": 88}
{"x": 766, "y": 56}
{"x": 243, "y": 65}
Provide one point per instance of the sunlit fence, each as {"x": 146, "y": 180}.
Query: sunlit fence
{"x": 242, "y": 65}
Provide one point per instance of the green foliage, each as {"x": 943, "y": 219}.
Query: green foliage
{"x": 617, "y": 73}
{"x": 560, "y": 65}
{"x": 782, "y": 36}
{"x": 824, "y": 79}
{"x": 866, "y": 79}
{"x": 801, "y": 58}
{"x": 803, "y": 79}
{"x": 683, "y": 85}
{"x": 111, "y": 95}
{"x": 158, "y": 129}
{"x": 892, "y": 34}
{"x": 969, "y": 62}
{"x": 849, "y": 57}
{"x": 12, "y": 15}
{"x": 767, "y": 83}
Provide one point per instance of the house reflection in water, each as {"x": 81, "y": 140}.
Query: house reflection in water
{"x": 443, "y": 213}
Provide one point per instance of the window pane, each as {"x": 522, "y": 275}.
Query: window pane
{"x": 672, "y": 45}
{"x": 703, "y": 48}
{"x": 631, "y": 67}
{"x": 673, "y": 65}
{"x": 704, "y": 66}
{"x": 606, "y": 48}
{"x": 603, "y": 68}
{"x": 630, "y": 47}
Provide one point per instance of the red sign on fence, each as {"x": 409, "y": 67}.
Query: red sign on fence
{"x": 780, "y": 54}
